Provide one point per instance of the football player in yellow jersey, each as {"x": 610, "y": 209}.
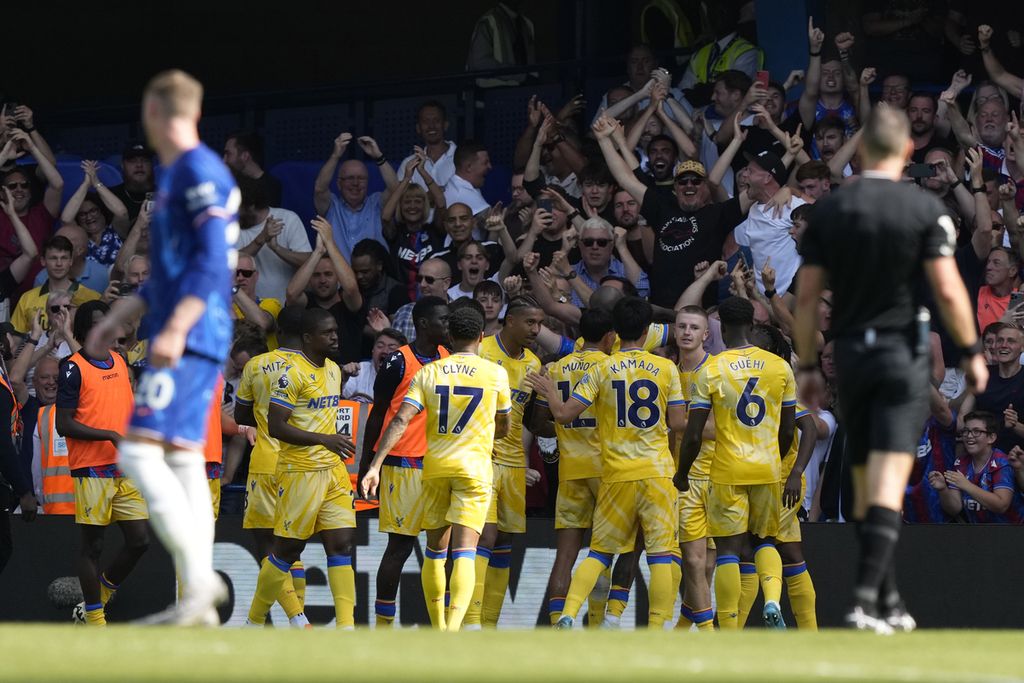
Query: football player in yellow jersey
{"x": 313, "y": 487}
{"x": 753, "y": 395}
{"x": 252, "y": 402}
{"x": 799, "y": 586}
{"x": 468, "y": 404}
{"x": 691, "y": 332}
{"x": 509, "y": 349}
{"x": 634, "y": 394}
{"x": 579, "y": 461}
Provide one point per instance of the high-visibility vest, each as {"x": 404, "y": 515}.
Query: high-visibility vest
{"x": 706, "y": 73}
{"x": 351, "y": 422}
{"x": 58, "y": 487}
{"x": 413, "y": 443}
{"x": 682, "y": 31}
{"x": 16, "y": 424}
{"x": 105, "y": 401}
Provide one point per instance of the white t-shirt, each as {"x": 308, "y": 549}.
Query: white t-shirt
{"x": 812, "y": 473}
{"x": 458, "y": 190}
{"x": 768, "y": 236}
{"x": 360, "y": 387}
{"x": 275, "y": 272}
{"x": 441, "y": 170}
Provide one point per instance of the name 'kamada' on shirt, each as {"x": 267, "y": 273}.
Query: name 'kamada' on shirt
{"x": 635, "y": 364}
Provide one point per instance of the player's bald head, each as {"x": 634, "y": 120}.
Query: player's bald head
{"x": 175, "y": 94}
{"x": 605, "y": 298}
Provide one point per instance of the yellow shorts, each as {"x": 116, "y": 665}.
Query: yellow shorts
{"x": 508, "y": 499}
{"x": 693, "y": 511}
{"x": 311, "y": 502}
{"x": 625, "y": 506}
{"x": 401, "y": 510}
{"x": 735, "y": 509}
{"x": 789, "y": 523}
{"x": 215, "y": 496}
{"x": 102, "y": 500}
{"x": 574, "y": 507}
{"x": 455, "y": 500}
{"x": 260, "y": 501}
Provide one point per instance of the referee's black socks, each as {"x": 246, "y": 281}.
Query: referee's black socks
{"x": 878, "y": 533}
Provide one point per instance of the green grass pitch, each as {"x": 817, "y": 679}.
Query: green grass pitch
{"x": 125, "y": 653}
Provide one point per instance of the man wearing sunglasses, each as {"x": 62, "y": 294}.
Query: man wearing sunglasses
{"x": 38, "y": 217}
{"x": 434, "y": 278}
{"x": 248, "y": 306}
{"x": 598, "y": 242}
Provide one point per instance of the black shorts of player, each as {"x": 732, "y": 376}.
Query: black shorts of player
{"x": 883, "y": 393}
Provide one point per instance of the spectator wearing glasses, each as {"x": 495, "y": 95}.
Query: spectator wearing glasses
{"x": 434, "y": 278}
{"x": 980, "y": 488}
{"x": 896, "y": 91}
{"x": 58, "y": 257}
{"x": 39, "y": 216}
{"x": 355, "y": 215}
{"x": 598, "y": 243}
{"x": 248, "y": 305}
{"x": 100, "y": 214}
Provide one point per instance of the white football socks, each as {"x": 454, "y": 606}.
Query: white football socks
{"x": 189, "y": 468}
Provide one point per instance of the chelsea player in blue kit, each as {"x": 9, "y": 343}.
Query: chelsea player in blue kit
{"x": 188, "y": 322}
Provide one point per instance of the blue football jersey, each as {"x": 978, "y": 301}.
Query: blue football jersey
{"x": 192, "y": 249}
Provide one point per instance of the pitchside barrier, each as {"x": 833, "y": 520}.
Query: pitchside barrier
{"x": 952, "y": 576}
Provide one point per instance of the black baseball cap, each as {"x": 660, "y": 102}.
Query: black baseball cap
{"x": 134, "y": 150}
{"x": 769, "y": 162}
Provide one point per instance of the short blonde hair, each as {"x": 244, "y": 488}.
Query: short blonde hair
{"x": 177, "y": 93}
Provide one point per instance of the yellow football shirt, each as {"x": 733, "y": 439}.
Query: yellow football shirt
{"x": 579, "y": 445}
{"x": 461, "y": 394}
{"x": 631, "y": 392}
{"x": 271, "y": 306}
{"x": 313, "y": 394}
{"x": 790, "y": 459}
{"x": 259, "y": 377}
{"x": 701, "y": 468}
{"x": 747, "y": 388}
{"x": 657, "y": 336}
{"x": 509, "y": 450}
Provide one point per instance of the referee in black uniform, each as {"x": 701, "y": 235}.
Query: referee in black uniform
{"x": 871, "y": 243}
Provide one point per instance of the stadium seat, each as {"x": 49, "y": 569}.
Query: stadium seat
{"x": 70, "y": 169}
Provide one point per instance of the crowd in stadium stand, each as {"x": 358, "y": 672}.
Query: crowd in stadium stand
{"x": 691, "y": 184}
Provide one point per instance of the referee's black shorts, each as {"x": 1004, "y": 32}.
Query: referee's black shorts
{"x": 883, "y": 393}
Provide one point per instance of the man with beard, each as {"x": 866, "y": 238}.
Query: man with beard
{"x": 921, "y": 111}
{"x": 243, "y": 154}
{"x": 332, "y": 286}
{"x": 137, "y": 172}
{"x": 688, "y": 229}
{"x": 439, "y": 161}
{"x": 626, "y": 211}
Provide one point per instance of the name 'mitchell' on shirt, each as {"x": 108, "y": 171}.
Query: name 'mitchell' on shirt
{"x": 873, "y": 237}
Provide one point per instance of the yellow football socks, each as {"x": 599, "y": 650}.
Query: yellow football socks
{"x": 473, "y": 613}
{"x": 496, "y": 584}
{"x": 727, "y": 591}
{"x": 748, "y": 590}
{"x": 107, "y": 589}
{"x": 802, "y": 597}
{"x": 662, "y": 590}
{"x": 597, "y": 603}
{"x": 769, "y": 571}
{"x": 273, "y": 573}
{"x": 288, "y": 600}
{"x": 342, "y": 580}
{"x": 433, "y": 579}
{"x": 463, "y": 582}
{"x": 298, "y": 573}
{"x": 94, "y": 615}
{"x": 583, "y": 581}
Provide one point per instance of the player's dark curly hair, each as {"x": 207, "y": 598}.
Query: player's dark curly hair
{"x": 772, "y": 340}
{"x": 465, "y": 324}
{"x": 83, "y": 321}
{"x": 736, "y": 312}
{"x": 632, "y": 317}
